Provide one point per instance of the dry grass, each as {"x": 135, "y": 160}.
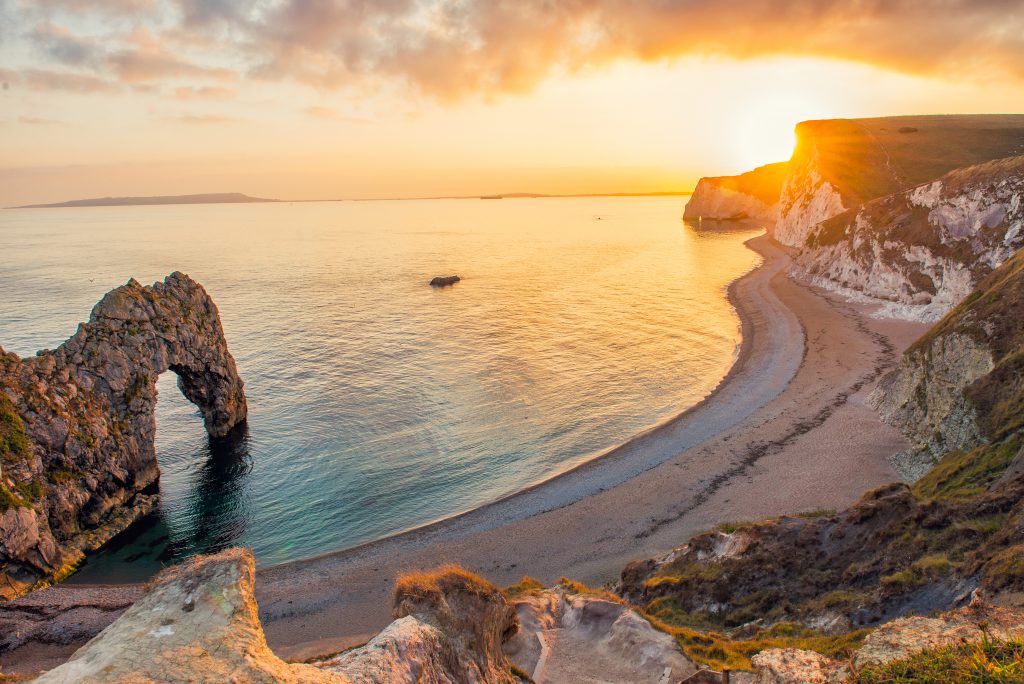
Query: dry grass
{"x": 985, "y": 662}
{"x": 527, "y": 586}
{"x": 447, "y": 578}
{"x": 718, "y": 651}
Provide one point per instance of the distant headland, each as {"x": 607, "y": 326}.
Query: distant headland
{"x": 206, "y": 198}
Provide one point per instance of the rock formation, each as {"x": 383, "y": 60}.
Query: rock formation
{"x": 910, "y": 212}
{"x": 568, "y": 636}
{"x": 896, "y": 640}
{"x": 751, "y": 196}
{"x": 444, "y": 281}
{"x": 840, "y": 164}
{"x": 199, "y": 622}
{"x": 450, "y": 627}
{"x": 77, "y": 423}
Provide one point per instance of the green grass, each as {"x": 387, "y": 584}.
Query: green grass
{"x": 920, "y": 572}
{"x": 9, "y": 499}
{"x": 986, "y": 662}
{"x": 13, "y": 442}
{"x": 965, "y": 474}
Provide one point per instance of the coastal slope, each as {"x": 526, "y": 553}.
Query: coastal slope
{"x": 207, "y": 198}
{"x": 901, "y": 549}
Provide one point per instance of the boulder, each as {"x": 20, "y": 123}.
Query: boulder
{"x": 444, "y": 281}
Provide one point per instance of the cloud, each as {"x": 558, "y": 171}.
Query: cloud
{"x": 453, "y": 48}
{"x": 204, "y": 119}
{"x": 329, "y": 114}
{"x": 449, "y": 48}
{"x": 60, "y": 45}
{"x": 204, "y": 93}
{"x": 36, "y": 121}
{"x": 66, "y": 81}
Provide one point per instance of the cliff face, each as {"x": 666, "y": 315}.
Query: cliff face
{"x": 958, "y": 387}
{"x": 924, "y": 249}
{"x": 840, "y": 164}
{"x": 77, "y": 423}
{"x": 752, "y": 195}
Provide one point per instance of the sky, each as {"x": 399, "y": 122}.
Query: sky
{"x": 309, "y": 99}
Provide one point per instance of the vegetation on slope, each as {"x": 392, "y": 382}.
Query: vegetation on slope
{"x": 986, "y": 662}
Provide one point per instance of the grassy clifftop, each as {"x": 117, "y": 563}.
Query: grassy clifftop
{"x": 869, "y": 158}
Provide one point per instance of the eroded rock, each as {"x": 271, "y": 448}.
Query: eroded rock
{"x": 750, "y": 196}
{"x": 82, "y": 420}
{"x": 197, "y": 623}
{"x": 568, "y": 637}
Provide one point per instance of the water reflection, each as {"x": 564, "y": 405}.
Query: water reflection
{"x": 214, "y": 515}
{"x": 217, "y": 508}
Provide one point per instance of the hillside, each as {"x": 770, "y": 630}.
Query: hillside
{"x": 207, "y": 198}
{"x": 908, "y": 211}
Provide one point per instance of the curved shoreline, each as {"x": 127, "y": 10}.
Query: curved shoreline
{"x": 642, "y": 451}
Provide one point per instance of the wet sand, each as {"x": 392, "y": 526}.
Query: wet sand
{"x": 786, "y": 431}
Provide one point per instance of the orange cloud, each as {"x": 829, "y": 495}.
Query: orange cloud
{"x": 451, "y": 48}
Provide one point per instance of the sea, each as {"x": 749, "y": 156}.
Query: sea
{"x": 377, "y": 403}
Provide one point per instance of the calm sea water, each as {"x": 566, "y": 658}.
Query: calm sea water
{"x": 378, "y": 403}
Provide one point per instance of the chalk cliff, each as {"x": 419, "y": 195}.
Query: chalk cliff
{"x": 840, "y": 164}
{"x": 751, "y": 196}
{"x": 923, "y": 250}
{"x": 77, "y": 423}
{"x": 909, "y": 212}
{"x": 959, "y": 387}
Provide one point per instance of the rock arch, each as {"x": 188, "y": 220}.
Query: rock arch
{"x": 86, "y": 410}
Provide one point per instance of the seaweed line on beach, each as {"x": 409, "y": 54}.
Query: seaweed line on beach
{"x": 755, "y": 451}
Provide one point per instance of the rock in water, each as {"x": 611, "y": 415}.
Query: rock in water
{"x": 77, "y": 423}
{"x": 443, "y": 281}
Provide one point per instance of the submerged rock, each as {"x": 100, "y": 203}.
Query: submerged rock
{"x": 77, "y": 424}
{"x": 443, "y": 281}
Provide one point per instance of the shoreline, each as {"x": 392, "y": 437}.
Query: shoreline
{"x": 638, "y": 499}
